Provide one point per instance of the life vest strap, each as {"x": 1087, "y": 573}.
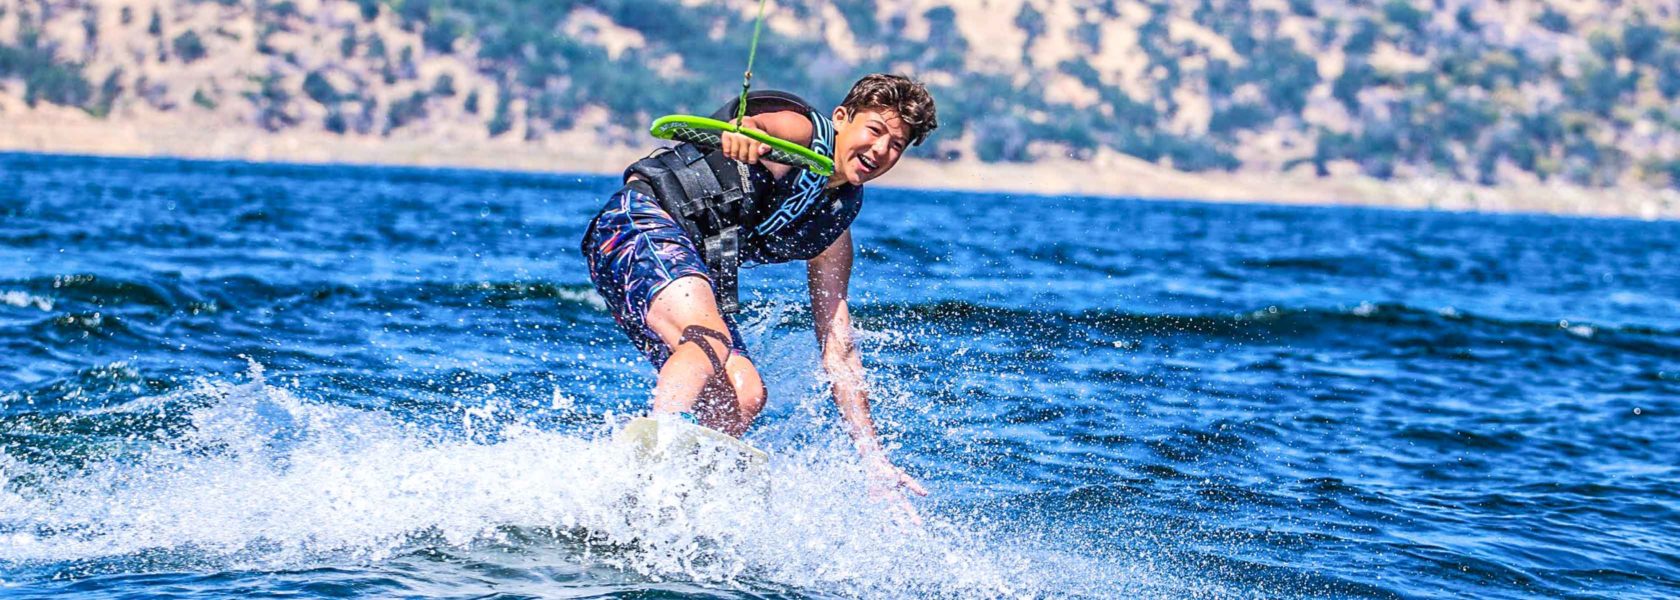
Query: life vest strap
{"x": 703, "y": 191}
{"x": 711, "y": 196}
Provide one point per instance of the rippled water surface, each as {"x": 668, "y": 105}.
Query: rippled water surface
{"x": 223, "y": 379}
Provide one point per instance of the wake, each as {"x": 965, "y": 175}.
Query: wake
{"x": 261, "y": 478}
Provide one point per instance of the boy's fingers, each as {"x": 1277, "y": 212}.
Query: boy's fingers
{"x": 739, "y": 147}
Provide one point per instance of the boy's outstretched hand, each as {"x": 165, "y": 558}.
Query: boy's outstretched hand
{"x": 742, "y": 148}
{"x": 887, "y": 483}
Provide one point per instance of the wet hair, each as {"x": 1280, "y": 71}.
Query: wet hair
{"x": 903, "y": 96}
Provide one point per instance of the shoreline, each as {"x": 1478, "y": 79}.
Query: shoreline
{"x": 168, "y": 135}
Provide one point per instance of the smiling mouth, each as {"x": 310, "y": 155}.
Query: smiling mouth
{"x": 867, "y": 164}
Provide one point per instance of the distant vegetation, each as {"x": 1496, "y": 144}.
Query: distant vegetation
{"x": 44, "y": 77}
{"x": 1389, "y": 88}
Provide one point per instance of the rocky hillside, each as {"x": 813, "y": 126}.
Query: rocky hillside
{"x": 1483, "y": 91}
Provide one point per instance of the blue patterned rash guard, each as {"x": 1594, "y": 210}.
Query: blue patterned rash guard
{"x": 801, "y": 217}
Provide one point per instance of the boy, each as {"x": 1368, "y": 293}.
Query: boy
{"x": 665, "y": 250}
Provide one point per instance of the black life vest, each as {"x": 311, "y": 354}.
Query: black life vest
{"x": 716, "y": 200}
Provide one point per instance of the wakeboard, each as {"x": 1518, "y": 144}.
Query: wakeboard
{"x": 671, "y": 439}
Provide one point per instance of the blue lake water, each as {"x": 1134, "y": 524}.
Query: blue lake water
{"x": 224, "y": 379}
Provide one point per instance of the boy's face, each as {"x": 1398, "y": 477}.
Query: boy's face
{"x": 867, "y": 143}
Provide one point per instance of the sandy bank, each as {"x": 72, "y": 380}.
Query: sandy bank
{"x": 57, "y": 130}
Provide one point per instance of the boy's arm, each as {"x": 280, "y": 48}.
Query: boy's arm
{"x": 784, "y": 124}
{"x": 828, "y": 276}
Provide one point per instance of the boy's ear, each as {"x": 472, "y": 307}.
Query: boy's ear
{"x": 841, "y": 114}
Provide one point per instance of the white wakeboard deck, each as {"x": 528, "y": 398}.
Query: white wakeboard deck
{"x": 667, "y": 438}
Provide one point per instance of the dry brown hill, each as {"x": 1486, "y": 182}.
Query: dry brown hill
{"x": 1566, "y": 105}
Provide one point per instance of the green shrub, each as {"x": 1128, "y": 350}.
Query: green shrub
{"x": 90, "y": 25}
{"x": 414, "y": 12}
{"x": 860, "y": 18}
{"x": 1363, "y": 39}
{"x": 278, "y": 11}
{"x": 502, "y": 121}
{"x": 109, "y": 90}
{"x": 1286, "y": 74}
{"x": 1641, "y": 40}
{"x": 1466, "y": 20}
{"x": 1501, "y": 68}
{"x": 1089, "y": 36}
{"x": 1599, "y": 88}
{"x": 1668, "y": 71}
{"x": 1003, "y": 140}
{"x": 319, "y": 89}
{"x": 1222, "y": 78}
{"x": 188, "y": 47}
{"x": 376, "y": 46}
{"x": 405, "y": 62}
{"x": 58, "y": 84}
{"x": 1238, "y": 117}
{"x": 1082, "y": 70}
{"x": 1356, "y": 75}
{"x": 271, "y": 100}
{"x": 263, "y": 45}
{"x": 1465, "y": 119}
{"x": 1668, "y": 170}
{"x": 1030, "y": 22}
{"x": 1403, "y": 14}
{"x": 440, "y": 36}
{"x": 1604, "y": 45}
{"x": 405, "y": 111}
{"x": 1552, "y": 20}
{"x": 335, "y": 122}
{"x": 444, "y": 86}
{"x": 1193, "y": 154}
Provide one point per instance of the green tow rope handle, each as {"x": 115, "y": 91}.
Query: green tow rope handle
{"x": 709, "y": 132}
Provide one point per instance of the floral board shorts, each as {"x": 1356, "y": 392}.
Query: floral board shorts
{"x": 634, "y": 249}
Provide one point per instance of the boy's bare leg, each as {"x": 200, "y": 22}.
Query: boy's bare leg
{"x": 722, "y": 389}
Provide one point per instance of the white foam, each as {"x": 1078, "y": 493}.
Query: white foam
{"x": 26, "y": 300}
{"x": 584, "y": 296}
{"x": 264, "y": 473}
